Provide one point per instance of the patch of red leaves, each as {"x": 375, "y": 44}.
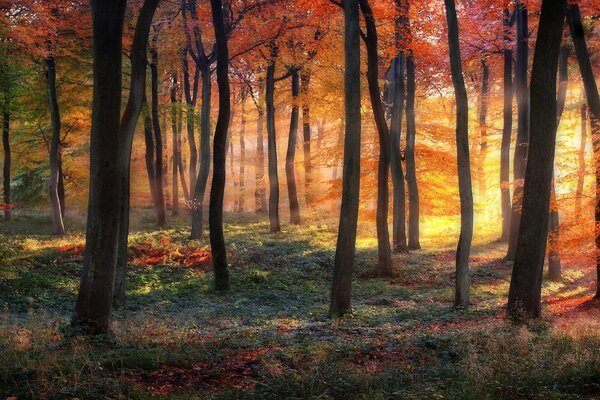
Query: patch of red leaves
{"x": 74, "y": 251}
{"x": 377, "y": 360}
{"x": 145, "y": 254}
{"x": 236, "y": 371}
{"x": 193, "y": 257}
{"x": 572, "y": 305}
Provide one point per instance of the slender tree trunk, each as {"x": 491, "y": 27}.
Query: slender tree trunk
{"x": 523, "y": 104}
{"x": 290, "y": 157}
{"x": 260, "y": 197}
{"x": 554, "y": 267}
{"x": 593, "y": 101}
{"x": 306, "y": 133}
{"x": 215, "y": 213}
{"x": 175, "y": 142}
{"x": 61, "y": 188}
{"x": 581, "y": 157}
{"x": 411, "y": 170}
{"x": 339, "y": 145}
{"x": 272, "y": 148}
{"x": 94, "y": 301}
{"x": 150, "y": 153}
{"x": 505, "y": 203}
{"x": 137, "y": 94}
{"x": 346, "y": 241}
{"x": 463, "y": 250}
{"x": 320, "y": 132}
{"x": 160, "y": 204}
{"x": 398, "y": 189}
{"x": 7, "y": 157}
{"x": 524, "y": 297}
{"x": 483, "y": 111}
{"x": 242, "y": 177}
{"x": 190, "y": 99}
{"x": 200, "y": 189}
{"x": 57, "y": 217}
{"x": 384, "y": 265}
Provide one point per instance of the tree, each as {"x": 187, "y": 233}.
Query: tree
{"x": 217, "y": 191}
{"x": 290, "y": 157}
{"x": 524, "y": 298}
{"x": 507, "y": 124}
{"x": 463, "y": 250}
{"x": 397, "y": 103}
{"x": 523, "y": 104}
{"x": 94, "y": 301}
{"x": 593, "y": 103}
{"x": 384, "y": 264}
{"x": 346, "y": 241}
{"x": 7, "y": 156}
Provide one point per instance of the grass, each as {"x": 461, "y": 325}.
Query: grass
{"x": 270, "y": 337}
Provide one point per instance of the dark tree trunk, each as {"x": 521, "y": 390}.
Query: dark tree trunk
{"x": 554, "y": 267}
{"x": 200, "y": 189}
{"x": 290, "y": 157}
{"x": 160, "y": 204}
{"x": 483, "y": 111}
{"x": 581, "y": 157}
{"x": 57, "y": 216}
{"x": 137, "y": 94}
{"x": 150, "y": 154}
{"x": 94, "y": 301}
{"x": 399, "y": 196}
{"x": 463, "y": 250}
{"x": 7, "y": 157}
{"x": 61, "y": 188}
{"x": 306, "y": 133}
{"x": 175, "y": 145}
{"x": 272, "y": 147}
{"x": 411, "y": 170}
{"x": 217, "y": 191}
{"x": 242, "y": 177}
{"x": 524, "y": 298}
{"x": 190, "y": 100}
{"x": 346, "y": 241}
{"x": 260, "y": 197}
{"x": 507, "y": 127}
{"x": 593, "y": 102}
{"x": 522, "y": 93}
{"x": 384, "y": 265}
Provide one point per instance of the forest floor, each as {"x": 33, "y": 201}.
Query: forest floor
{"x": 270, "y": 337}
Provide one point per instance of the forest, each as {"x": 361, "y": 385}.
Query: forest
{"x": 300, "y": 199}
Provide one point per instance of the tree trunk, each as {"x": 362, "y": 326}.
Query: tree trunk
{"x": 523, "y": 104}
{"x": 505, "y": 204}
{"x": 320, "y": 132}
{"x": 339, "y": 145}
{"x": 272, "y": 148}
{"x": 175, "y": 144}
{"x": 398, "y": 189}
{"x": 149, "y": 156}
{"x": 346, "y": 241}
{"x": 200, "y": 189}
{"x": 160, "y": 205}
{"x": 593, "y": 101}
{"x": 581, "y": 157}
{"x": 137, "y": 94}
{"x": 215, "y": 213}
{"x": 463, "y": 250}
{"x": 61, "y": 188}
{"x": 260, "y": 197}
{"x": 524, "y": 297}
{"x": 57, "y": 216}
{"x": 411, "y": 170}
{"x": 7, "y": 157}
{"x": 483, "y": 111}
{"x": 94, "y": 301}
{"x": 554, "y": 267}
{"x": 190, "y": 100}
{"x": 290, "y": 157}
{"x": 384, "y": 265}
{"x": 306, "y": 133}
{"x": 242, "y": 177}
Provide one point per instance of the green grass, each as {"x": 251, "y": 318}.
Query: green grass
{"x": 270, "y": 337}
